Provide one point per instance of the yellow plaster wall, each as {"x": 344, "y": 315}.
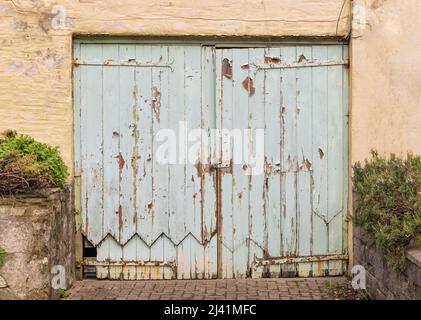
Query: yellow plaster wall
{"x": 386, "y": 77}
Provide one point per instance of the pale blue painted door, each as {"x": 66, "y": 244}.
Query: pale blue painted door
{"x": 154, "y": 220}
{"x": 289, "y": 220}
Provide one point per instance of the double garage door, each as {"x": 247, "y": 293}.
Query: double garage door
{"x": 160, "y": 192}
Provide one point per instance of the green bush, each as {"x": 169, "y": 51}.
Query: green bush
{"x": 389, "y": 203}
{"x": 27, "y": 164}
{"x": 2, "y": 254}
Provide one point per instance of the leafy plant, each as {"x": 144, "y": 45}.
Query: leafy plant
{"x": 63, "y": 293}
{"x": 2, "y": 254}
{"x": 26, "y": 164}
{"x": 389, "y": 203}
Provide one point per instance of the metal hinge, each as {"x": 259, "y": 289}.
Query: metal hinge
{"x": 221, "y": 165}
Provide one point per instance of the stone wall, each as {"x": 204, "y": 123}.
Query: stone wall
{"x": 37, "y": 232}
{"x": 383, "y": 282}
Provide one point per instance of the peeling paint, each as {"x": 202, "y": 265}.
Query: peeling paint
{"x": 321, "y": 153}
{"x": 272, "y": 60}
{"x": 121, "y": 161}
{"x": 226, "y": 68}
{"x": 248, "y": 85}
{"x": 156, "y": 102}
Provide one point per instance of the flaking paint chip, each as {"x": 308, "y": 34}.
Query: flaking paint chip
{"x": 248, "y": 85}
{"x": 226, "y": 68}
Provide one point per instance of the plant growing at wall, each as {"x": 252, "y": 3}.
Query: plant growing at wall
{"x": 26, "y": 164}
{"x": 2, "y": 255}
{"x": 389, "y": 203}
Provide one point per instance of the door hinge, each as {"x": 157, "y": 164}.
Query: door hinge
{"x": 221, "y": 165}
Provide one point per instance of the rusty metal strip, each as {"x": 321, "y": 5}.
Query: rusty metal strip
{"x": 92, "y": 262}
{"x": 275, "y": 261}
{"x": 128, "y": 63}
{"x": 301, "y": 64}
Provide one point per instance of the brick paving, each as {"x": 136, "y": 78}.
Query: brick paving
{"x": 221, "y": 289}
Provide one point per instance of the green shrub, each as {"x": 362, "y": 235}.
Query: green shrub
{"x": 2, "y": 254}
{"x": 389, "y": 203}
{"x": 26, "y": 164}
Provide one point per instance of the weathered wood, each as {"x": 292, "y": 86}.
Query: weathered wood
{"x": 211, "y": 213}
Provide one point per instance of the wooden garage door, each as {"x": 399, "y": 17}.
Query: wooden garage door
{"x": 199, "y": 215}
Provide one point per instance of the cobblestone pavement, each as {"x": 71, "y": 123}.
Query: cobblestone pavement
{"x": 232, "y": 289}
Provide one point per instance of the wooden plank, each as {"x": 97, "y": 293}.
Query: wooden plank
{"x": 319, "y": 156}
{"x": 177, "y": 171}
{"x": 192, "y": 80}
{"x": 160, "y": 120}
{"x": 144, "y": 194}
{"x": 289, "y": 159}
{"x": 345, "y": 105}
{"x": 193, "y": 105}
{"x": 273, "y": 157}
{"x": 304, "y": 138}
{"x": 102, "y": 255}
{"x": 77, "y": 96}
{"x": 240, "y": 196}
{"x": 142, "y": 255}
{"x": 208, "y": 187}
{"x": 92, "y": 130}
{"x": 184, "y": 261}
{"x": 111, "y": 141}
{"x": 257, "y": 218}
{"x": 226, "y": 191}
{"x": 336, "y": 182}
{"x": 128, "y": 113}
{"x": 208, "y": 196}
{"x": 77, "y": 192}
{"x": 129, "y": 254}
{"x": 211, "y": 267}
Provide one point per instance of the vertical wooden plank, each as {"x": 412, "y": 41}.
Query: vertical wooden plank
{"x": 208, "y": 187}
{"x": 77, "y": 96}
{"x": 240, "y": 196}
{"x": 103, "y": 255}
{"x": 127, "y": 97}
{"x": 193, "y": 201}
{"x": 142, "y": 255}
{"x": 184, "y": 258}
{"x": 129, "y": 254}
{"x": 160, "y": 119}
{"x": 257, "y": 218}
{"x": 273, "y": 159}
{"x": 111, "y": 133}
{"x": 144, "y": 193}
{"x": 92, "y": 135}
{"x": 177, "y": 171}
{"x": 345, "y": 148}
{"x": 211, "y": 268}
{"x": 157, "y": 255}
{"x": 223, "y": 122}
{"x": 289, "y": 159}
{"x": 226, "y": 183}
{"x": 169, "y": 256}
{"x": 304, "y": 136}
{"x": 77, "y": 161}
{"x": 319, "y": 155}
{"x": 335, "y": 158}
{"x": 116, "y": 256}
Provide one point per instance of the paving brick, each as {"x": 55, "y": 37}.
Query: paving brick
{"x": 232, "y": 289}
